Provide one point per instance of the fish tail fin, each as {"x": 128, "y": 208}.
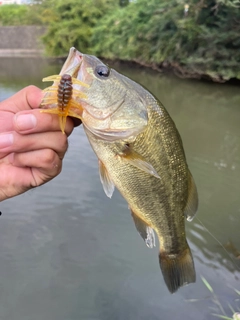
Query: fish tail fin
{"x": 177, "y": 270}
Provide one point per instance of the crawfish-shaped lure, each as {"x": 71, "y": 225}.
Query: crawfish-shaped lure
{"x": 62, "y": 98}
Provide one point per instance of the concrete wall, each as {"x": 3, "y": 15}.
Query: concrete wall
{"x": 19, "y": 40}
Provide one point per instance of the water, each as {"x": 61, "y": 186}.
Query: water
{"x": 67, "y": 252}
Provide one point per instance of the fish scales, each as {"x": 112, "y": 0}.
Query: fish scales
{"x": 146, "y": 194}
{"x": 141, "y": 153}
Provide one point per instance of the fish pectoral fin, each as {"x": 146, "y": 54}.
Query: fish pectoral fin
{"x": 107, "y": 183}
{"x": 177, "y": 269}
{"x": 138, "y": 161}
{"x": 192, "y": 202}
{"x": 145, "y": 231}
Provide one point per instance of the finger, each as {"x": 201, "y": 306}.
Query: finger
{"x": 15, "y": 142}
{"x": 6, "y": 121}
{"x": 45, "y": 164}
{"x": 27, "y": 98}
{"x": 35, "y": 121}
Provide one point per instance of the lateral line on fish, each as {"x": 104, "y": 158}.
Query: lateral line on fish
{"x": 221, "y": 245}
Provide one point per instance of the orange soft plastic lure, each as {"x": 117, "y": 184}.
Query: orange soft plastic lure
{"x": 62, "y": 98}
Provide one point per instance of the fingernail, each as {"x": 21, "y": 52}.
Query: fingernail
{"x": 26, "y": 121}
{"x": 6, "y": 140}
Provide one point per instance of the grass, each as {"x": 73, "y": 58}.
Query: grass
{"x": 223, "y": 314}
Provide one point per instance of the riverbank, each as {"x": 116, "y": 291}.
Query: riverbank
{"x": 20, "y": 53}
{"x": 200, "y": 42}
{"x": 21, "y": 41}
{"x": 25, "y": 41}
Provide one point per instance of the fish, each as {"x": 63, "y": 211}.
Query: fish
{"x": 140, "y": 152}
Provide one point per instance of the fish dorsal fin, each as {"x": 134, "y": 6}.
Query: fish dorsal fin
{"x": 145, "y": 231}
{"x": 138, "y": 161}
{"x": 108, "y": 185}
{"x": 192, "y": 203}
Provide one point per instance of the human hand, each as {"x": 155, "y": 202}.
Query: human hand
{"x": 31, "y": 144}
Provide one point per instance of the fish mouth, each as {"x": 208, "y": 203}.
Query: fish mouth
{"x": 72, "y": 66}
{"x": 73, "y": 63}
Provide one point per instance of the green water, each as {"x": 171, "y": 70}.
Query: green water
{"x": 67, "y": 252}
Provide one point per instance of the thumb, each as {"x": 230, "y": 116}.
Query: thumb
{"x": 27, "y": 98}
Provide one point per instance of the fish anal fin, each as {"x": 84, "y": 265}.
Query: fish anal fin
{"x": 177, "y": 269}
{"x": 192, "y": 202}
{"x": 138, "y": 161}
{"x": 107, "y": 183}
{"x": 144, "y": 230}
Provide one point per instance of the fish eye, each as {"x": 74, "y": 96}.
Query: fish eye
{"x": 102, "y": 71}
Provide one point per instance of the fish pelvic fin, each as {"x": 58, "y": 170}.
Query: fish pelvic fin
{"x": 192, "y": 202}
{"x": 178, "y": 270}
{"x": 144, "y": 230}
{"x": 107, "y": 183}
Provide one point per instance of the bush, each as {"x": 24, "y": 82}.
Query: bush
{"x": 13, "y": 15}
{"x": 201, "y": 42}
{"x": 72, "y": 23}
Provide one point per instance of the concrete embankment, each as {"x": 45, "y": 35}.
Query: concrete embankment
{"x": 21, "y": 41}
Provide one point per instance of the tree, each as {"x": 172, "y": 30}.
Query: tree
{"x": 72, "y": 23}
{"x": 202, "y": 43}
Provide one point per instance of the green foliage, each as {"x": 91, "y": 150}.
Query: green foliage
{"x": 223, "y": 315}
{"x": 123, "y": 3}
{"x": 72, "y": 23}
{"x": 17, "y": 15}
{"x": 139, "y": 32}
{"x": 13, "y": 15}
{"x": 201, "y": 42}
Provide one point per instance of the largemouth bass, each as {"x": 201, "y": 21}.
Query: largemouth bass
{"x": 140, "y": 152}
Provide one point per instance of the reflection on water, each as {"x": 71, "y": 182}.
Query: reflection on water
{"x": 68, "y": 252}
